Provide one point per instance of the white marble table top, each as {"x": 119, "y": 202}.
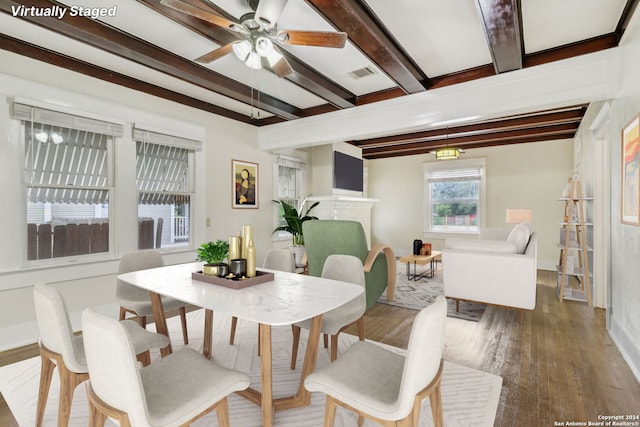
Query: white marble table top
{"x": 288, "y": 299}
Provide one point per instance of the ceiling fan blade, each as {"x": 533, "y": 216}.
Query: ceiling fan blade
{"x": 203, "y": 14}
{"x": 216, "y": 54}
{"x": 268, "y": 12}
{"x": 279, "y": 63}
{"x": 312, "y": 38}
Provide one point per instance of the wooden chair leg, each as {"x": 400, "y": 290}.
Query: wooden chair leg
{"x": 457, "y": 305}
{"x": 123, "y": 313}
{"x": 294, "y": 349}
{"x": 68, "y": 383}
{"x": 183, "y": 319}
{"x": 330, "y": 412}
{"x": 334, "y": 347}
{"x": 232, "y": 334}
{"x": 143, "y": 322}
{"x": 46, "y": 372}
{"x": 144, "y": 358}
{"x": 436, "y": 406}
{"x": 326, "y": 340}
{"x": 223, "y": 413}
{"x": 360, "y": 323}
{"x": 96, "y": 418}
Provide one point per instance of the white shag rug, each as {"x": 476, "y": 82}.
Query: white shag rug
{"x": 470, "y": 397}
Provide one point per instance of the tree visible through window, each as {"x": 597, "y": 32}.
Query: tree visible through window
{"x": 454, "y": 196}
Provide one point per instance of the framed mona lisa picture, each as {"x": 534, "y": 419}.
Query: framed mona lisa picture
{"x": 245, "y": 185}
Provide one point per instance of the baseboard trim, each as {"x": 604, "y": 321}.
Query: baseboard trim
{"x": 629, "y": 351}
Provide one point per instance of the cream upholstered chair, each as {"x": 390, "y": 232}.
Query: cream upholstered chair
{"x": 346, "y": 268}
{"x": 60, "y": 347}
{"x": 173, "y": 391}
{"x": 135, "y": 300}
{"x": 384, "y": 386}
{"x": 275, "y": 259}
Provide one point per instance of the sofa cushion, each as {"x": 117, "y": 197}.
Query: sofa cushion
{"x": 519, "y": 236}
{"x": 496, "y": 246}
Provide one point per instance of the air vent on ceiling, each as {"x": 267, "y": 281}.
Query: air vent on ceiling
{"x": 363, "y": 72}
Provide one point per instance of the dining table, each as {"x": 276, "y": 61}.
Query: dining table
{"x": 287, "y": 299}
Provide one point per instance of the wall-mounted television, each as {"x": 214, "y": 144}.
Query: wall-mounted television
{"x": 347, "y": 172}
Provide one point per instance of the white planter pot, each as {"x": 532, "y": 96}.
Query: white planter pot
{"x": 298, "y": 254}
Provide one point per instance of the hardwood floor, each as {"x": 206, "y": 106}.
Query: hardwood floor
{"x": 559, "y": 364}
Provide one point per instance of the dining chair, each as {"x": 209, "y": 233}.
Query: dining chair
{"x": 60, "y": 347}
{"x": 173, "y": 391}
{"x": 384, "y": 386}
{"x": 346, "y": 268}
{"x": 135, "y": 300}
{"x": 274, "y": 259}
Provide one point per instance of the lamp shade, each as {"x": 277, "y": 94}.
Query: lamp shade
{"x": 517, "y": 215}
{"x": 447, "y": 153}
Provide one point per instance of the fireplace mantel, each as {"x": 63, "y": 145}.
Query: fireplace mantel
{"x": 345, "y": 208}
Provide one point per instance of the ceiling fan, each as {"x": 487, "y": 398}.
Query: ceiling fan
{"x": 259, "y": 35}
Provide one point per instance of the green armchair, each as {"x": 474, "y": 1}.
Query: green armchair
{"x": 327, "y": 237}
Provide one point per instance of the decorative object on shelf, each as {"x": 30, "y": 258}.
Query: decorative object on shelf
{"x": 247, "y": 236}
{"x": 251, "y": 260}
{"x": 518, "y": 215}
{"x": 631, "y": 172}
{"x": 574, "y": 266}
{"x": 294, "y": 219}
{"x": 234, "y": 247}
{"x": 244, "y": 176}
{"x": 213, "y": 253}
{"x": 448, "y": 153}
{"x": 238, "y": 267}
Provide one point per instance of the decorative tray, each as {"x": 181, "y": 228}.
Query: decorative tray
{"x": 261, "y": 277}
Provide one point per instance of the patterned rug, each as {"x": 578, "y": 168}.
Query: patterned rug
{"x": 469, "y": 397}
{"x": 418, "y": 294}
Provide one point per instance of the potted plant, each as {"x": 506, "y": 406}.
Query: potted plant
{"x": 213, "y": 253}
{"x": 294, "y": 219}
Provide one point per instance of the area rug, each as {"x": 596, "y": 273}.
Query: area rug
{"x": 418, "y": 294}
{"x": 470, "y": 397}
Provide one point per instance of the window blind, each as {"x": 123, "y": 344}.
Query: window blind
{"x": 163, "y": 139}
{"x": 450, "y": 175}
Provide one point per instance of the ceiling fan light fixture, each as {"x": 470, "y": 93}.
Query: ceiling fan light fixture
{"x": 447, "y": 153}
{"x": 242, "y": 49}
{"x": 264, "y": 46}
{"x": 254, "y": 61}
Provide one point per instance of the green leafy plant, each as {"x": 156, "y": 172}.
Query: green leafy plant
{"x": 213, "y": 252}
{"x": 294, "y": 219}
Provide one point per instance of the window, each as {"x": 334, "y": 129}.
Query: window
{"x": 289, "y": 186}
{"x": 165, "y": 184}
{"x": 67, "y": 178}
{"x": 454, "y": 196}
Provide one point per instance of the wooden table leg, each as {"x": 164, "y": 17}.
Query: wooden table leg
{"x": 160, "y": 320}
{"x": 266, "y": 375}
{"x": 303, "y": 396}
{"x": 208, "y": 333}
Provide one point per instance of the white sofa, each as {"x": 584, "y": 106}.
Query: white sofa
{"x": 499, "y": 268}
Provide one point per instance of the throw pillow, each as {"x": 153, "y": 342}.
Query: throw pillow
{"x": 520, "y": 236}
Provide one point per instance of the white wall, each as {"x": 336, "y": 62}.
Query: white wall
{"x": 225, "y": 140}
{"x": 623, "y": 312}
{"x": 525, "y": 175}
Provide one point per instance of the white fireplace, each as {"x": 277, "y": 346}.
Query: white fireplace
{"x": 345, "y": 208}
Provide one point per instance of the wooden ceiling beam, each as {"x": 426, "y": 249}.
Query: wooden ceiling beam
{"x": 304, "y": 76}
{"x": 20, "y": 47}
{"x": 502, "y": 27}
{"x": 368, "y": 35}
{"x": 432, "y": 147}
{"x": 569, "y": 115}
{"x": 469, "y": 141}
{"x": 109, "y": 39}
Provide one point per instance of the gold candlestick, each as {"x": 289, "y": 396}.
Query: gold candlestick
{"x": 234, "y": 247}
{"x": 251, "y": 260}
{"x": 247, "y": 236}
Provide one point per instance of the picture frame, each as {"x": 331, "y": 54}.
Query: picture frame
{"x": 630, "y": 194}
{"x": 245, "y": 180}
